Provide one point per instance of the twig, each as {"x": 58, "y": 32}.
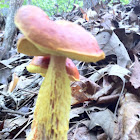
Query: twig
{"x": 115, "y": 112}
{"x": 28, "y": 123}
{"x": 27, "y": 101}
{"x": 16, "y": 112}
{"x": 29, "y": 91}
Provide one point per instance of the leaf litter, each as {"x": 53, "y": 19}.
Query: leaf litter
{"x": 105, "y": 102}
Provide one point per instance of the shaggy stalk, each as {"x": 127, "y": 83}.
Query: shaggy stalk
{"x": 51, "y": 116}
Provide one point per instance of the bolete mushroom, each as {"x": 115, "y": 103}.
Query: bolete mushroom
{"x": 59, "y": 39}
{"x": 39, "y": 64}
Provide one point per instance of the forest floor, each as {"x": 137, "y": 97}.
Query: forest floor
{"x": 105, "y": 102}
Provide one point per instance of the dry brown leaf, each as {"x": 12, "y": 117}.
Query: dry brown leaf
{"x": 74, "y": 112}
{"x": 110, "y": 44}
{"x": 13, "y": 83}
{"x": 83, "y": 90}
{"x": 128, "y": 119}
{"x": 113, "y": 70}
{"x": 101, "y": 117}
{"x": 106, "y": 20}
{"x": 78, "y": 95}
{"x": 135, "y": 77}
{"x": 80, "y": 133}
{"x": 13, "y": 126}
{"x": 4, "y": 73}
{"x": 136, "y": 50}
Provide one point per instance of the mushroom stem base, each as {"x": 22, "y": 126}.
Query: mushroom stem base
{"x": 51, "y": 116}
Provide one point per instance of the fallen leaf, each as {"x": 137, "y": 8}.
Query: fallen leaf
{"x": 76, "y": 111}
{"x": 128, "y": 119}
{"x": 83, "y": 90}
{"x": 114, "y": 70}
{"x": 101, "y": 117}
{"x": 135, "y": 77}
{"x": 110, "y": 44}
{"x": 4, "y": 74}
{"x": 11, "y": 124}
{"x": 80, "y": 133}
{"x": 136, "y": 50}
{"x": 1, "y": 125}
{"x": 13, "y": 83}
{"x": 106, "y": 20}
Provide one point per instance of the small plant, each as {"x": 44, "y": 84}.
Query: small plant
{"x": 125, "y": 1}
{"x": 2, "y": 5}
{"x": 122, "y": 1}
{"x": 51, "y": 7}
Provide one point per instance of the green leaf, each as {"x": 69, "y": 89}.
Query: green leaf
{"x": 4, "y": 6}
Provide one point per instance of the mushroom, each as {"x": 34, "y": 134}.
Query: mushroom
{"x": 59, "y": 39}
{"x": 39, "y": 64}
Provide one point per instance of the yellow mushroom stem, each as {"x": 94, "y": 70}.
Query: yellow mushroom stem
{"x": 51, "y": 116}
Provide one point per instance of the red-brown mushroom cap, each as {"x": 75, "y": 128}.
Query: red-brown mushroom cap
{"x": 72, "y": 70}
{"x": 57, "y": 38}
{"x": 39, "y": 64}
